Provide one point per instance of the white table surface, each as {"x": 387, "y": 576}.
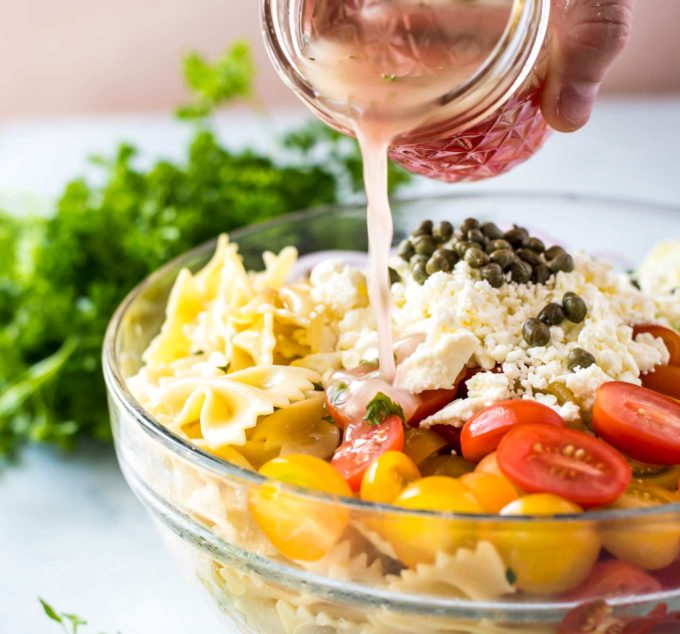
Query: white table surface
{"x": 70, "y": 530}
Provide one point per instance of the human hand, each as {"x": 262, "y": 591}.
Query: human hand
{"x": 588, "y": 35}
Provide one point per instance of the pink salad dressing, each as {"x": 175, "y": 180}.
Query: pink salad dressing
{"x": 382, "y": 68}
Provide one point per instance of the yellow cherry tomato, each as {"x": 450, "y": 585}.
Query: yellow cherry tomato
{"x": 489, "y": 464}
{"x": 451, "y": 466}
{"x": 300, "y": 527}
{"x": 546, "y": 557}
{"x": 234, "y": 456}
{"x": 387, "y": 477}
{"x": 492, "y": 491}
{"x": 418, "y": 539}
{"x": 650, "y": 543}
{"x": 421, "y": 443}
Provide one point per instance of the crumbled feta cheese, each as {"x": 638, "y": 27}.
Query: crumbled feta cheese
{"x": 338, "y": 287}
{"x": 456, "y": 413}
{"x": 437, "y": 362}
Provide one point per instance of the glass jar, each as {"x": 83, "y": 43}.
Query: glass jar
{"x": 483, "y": 119}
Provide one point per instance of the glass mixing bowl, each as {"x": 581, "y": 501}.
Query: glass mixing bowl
{"x": 200, "y": 502}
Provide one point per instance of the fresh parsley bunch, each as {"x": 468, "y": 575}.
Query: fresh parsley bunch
{"x": 62, "y": 278}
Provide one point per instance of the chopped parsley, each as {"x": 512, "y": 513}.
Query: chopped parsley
{"x": 382, "y": 406}
{"x": 511, "y": 576}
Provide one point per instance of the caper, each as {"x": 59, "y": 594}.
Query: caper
{"x": 394, "y": 276}
{"x": 438, "y": 262}
{"x": 503, "y": 257}
{"x": 424, "y": 245}
{"x": 405, "y": 250}
{"x": 475, "y": 235}
{"x": 529, "y": 256}
{"x": 419, "y": 272}
{"x": 497, "y": 245}
{"x": 443, "y": 231}
{"x": 418, "y": 259}
{"x": 450, "y": 255}
{"x": 493, "y": 274}
{"x": 541, "y": 274}
{"x": 561, "y": 392}
{"x": 562, "y": 262}
{"x": 553, "y": 252}
{"x": 476, "y": 258}
{"x": 534, "y": 244}
{"x": 468, "y": 224}
{"x": 574, "y": 307}
{"x": 516, "y": 236}
{"x": 461, "y": 247}
{"x": 552, "y": 314}
{"x": 491, "y": 231}
{"x": 521, "y": 271}
{"x": 423, "y": 229}
{"x": 535, "y": 333}
{"x": 579, "y": 358}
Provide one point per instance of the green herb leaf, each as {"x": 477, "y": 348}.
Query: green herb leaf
{"x": 382, "y": 406}
{"x": 50, "y": 611}
{"x": 511, "y": 576}
{"x": 212, "y": 85}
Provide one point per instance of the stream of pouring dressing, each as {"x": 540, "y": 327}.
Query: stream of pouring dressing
{"x": 378, "y": 65}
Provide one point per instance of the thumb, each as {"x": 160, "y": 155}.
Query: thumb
{"x": 587, "y": 35}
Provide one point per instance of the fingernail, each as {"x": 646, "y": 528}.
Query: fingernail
{"x": 576, "y": 102}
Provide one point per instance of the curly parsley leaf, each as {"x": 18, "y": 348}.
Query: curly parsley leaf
{"x": 213, "y": 84}
{"x": 382, "y": 406}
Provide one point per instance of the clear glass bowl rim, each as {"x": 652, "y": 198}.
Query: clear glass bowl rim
{"x": 118, "y": 390}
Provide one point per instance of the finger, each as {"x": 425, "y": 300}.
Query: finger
{"x": 588, "y": 36}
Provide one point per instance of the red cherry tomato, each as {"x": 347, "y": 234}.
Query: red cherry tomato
{"x": 670, "y": 337}
{"x": 664, "y": 379}
{"x": 482, "y": 433}
{"x": 431, "y": 401}
{"x": 585, "y": 618}
{"x": 542, "y": 458}
{"x": 643, "y": 424}
{"x": 350, "y": 391}
{"x": 354, "y": 456}
{"x": 613, "y": 578}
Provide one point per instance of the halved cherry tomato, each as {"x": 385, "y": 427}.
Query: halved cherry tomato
{"x": 493, "y": 492}
{"x": 542, "y": 458}
{"x": 639, "y": 422}
{"x": 387, "y": 477}
{"x": 670, "y": 337}
{"x": 613, "y": 578}
{"x": 419, "y": 539}
{"x": 299, "y": 527}
{"x": 664, "y": 379}
{"x": 651, "y": 543}
{"x": 354, "y": 456}
{"x": 350, "y": 391}
{"x": 431, "y": 401}
{"x": 546, "y": 555}
{"x": 482, "y": 433}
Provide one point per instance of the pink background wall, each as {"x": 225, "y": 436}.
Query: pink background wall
{"x": 78, "y": 56}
